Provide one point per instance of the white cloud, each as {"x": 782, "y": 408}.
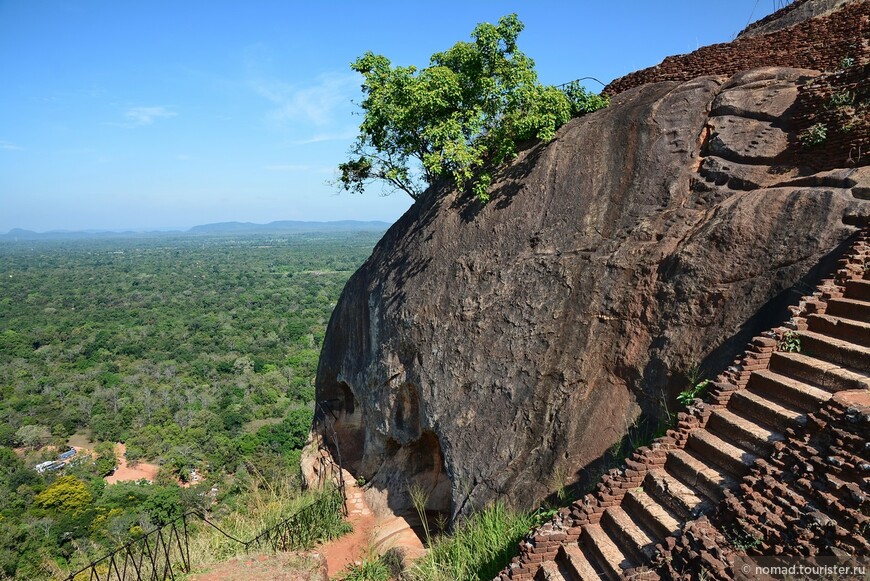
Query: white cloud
{"x": 322, "y": 103}
{"x": 321, "y": 137}
{"x": 10, "y": 146}
{"x": 138, "y": 116}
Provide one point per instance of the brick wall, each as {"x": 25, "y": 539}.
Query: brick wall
{"x": 839, "y": 102}
{"x": 820, "y": 43}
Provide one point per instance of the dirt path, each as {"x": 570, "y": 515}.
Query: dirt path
{"x": 354, "y": 546}
{"x": 369, "y": 534}
{"x": 127, "y": 473}
{"x": 280, "y": 567}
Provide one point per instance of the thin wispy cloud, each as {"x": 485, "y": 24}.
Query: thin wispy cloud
{"x": 321, "y": 103}
{"x": 10, "y": 146}
{"x": 138, "y": 116}
{"x": 321, "y": 137}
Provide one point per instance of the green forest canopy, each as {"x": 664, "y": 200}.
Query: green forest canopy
{"x": 197, "y": 352}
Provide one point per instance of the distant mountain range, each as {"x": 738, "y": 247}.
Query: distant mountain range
{"x": 286, "y": 226}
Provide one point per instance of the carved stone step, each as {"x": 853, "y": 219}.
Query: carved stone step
{"x": 644, "y": 509}
{"x": 834, "y": 350}
{"x": 828, "y": 376}
{"x": 858, "y": 289}
{"x": 637, "y": 544}
{"x": 856, "y": 332}
{"x": 682, "y": 500}
{"x": 744, "y": 432}
{"x": 604, "y": 551}
{"x": 849, "y": 308}
{"x": 800, "y": 394}
{"x": 692, "y": 470}
{"x": 572, "y": 560}
{"x": 777, "y": 414}
{"x": 549, "y": 571}
{"x": 732, "y": 458}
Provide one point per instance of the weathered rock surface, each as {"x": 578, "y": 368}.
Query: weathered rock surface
{"x": 795, "y": 13}
{"x": 486, "y": 351}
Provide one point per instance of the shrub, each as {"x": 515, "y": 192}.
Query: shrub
{"x": 814, "y": 135}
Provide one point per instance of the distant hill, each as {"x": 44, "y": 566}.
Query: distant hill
{"x": 18, "y": 234}
{"x": 288, "y": 226}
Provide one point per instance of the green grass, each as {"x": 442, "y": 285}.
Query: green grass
{"x": 477, "y": 549}
{"x": 368, "y": 570}
{"x": 263, "y": 509}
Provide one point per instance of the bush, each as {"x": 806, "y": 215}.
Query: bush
{"x": 814, "y": 135}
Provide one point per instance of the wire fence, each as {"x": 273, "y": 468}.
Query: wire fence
{"x": 164, "y": 553}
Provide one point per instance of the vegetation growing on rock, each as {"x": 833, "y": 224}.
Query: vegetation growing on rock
{"x": 459, "y": 117}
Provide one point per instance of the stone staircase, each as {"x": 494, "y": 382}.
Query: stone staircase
{"x": 617, "y": 532}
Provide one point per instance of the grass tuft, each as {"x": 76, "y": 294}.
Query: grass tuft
{"x": 477, "y": 549}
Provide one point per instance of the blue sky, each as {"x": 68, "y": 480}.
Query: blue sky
{"x": 157, "y": 114}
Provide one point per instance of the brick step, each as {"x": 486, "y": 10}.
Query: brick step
{"x": 609, "y": 558}
{"x": 777, "y": 414}
{"x": 575, "y": 566}
{"x": 854, "y": 309}
{"x": 780, "y": 387}
{"x": 644, "y": 509}
{"x": 693, "y": 471}
{"x": 834, "y": 350}
{"x": 733, "y": 459}
{"x": 858, "y": 289}
{"x": 828, "y": 376}
{"x": 683, "y": 501}
{"x": 636, "y": 542}
{"x": 742, "y": 431}
{"x": 856, "y": 332}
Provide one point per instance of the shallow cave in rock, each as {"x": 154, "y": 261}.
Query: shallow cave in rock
{"x": 341, "y": 423}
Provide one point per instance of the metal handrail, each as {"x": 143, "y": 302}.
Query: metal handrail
{"x": 168, "y": 553}
{"x": 578, "y": 80}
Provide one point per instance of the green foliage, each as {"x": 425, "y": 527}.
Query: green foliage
{"x": 67, "y": 494}
{"x": 419, "y": 498}
{"x": 179, "y": 347}
{"x": 789, "y": 342}
{"x": 455, "y": 120}
{"x": 842, "y": 99}
{"x": 847, "y": 62}
{"x": 697, "y": 390}
{"x": 583, "y": 101}
{"x": 477, "y": 549}
{"x": 368, "y": 569}
{"x": 741, "y": 537}
{"x": 282, "y": 438}
{"x": 814, "y": 135}
{"x": 106, "y": 460}
{"x": 33, "y": 436}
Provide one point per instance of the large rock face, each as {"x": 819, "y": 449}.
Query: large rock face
{"x": 490, "y": 351}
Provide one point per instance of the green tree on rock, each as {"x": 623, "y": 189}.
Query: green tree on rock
{"x": 454, "y": 120}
